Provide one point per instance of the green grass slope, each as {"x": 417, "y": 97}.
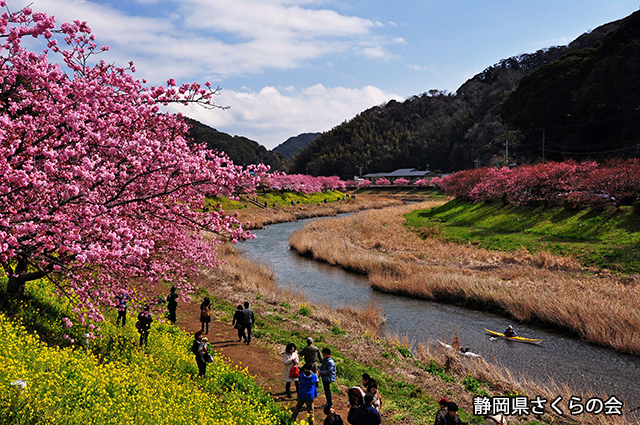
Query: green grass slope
{"x": 604, "y": 239}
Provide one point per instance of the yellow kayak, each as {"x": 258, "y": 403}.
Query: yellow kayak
{"x": 514, "y": 338}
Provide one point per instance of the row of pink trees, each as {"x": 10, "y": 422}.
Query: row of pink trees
{"x": 100, "y": 191}
{"x": 308, "y": 184}
{"x": 583, "y": 184}
{"x": 302, "y": 183}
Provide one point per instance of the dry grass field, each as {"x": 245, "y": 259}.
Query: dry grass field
{"x": 543, "y": 288}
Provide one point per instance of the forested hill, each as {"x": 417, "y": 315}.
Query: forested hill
{"x": 445, "y": 131}
{"x": 585, "y": 105}
{"x": 290, "y": 147}
{"x": 241, "y": 150}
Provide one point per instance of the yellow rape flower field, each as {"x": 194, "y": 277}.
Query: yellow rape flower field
{"x": 115, "y": 382}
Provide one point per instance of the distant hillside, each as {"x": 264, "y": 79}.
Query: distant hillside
{"x": 446, "y": 131}
{"x": 241, "y": 150}
{"x": 585, "y": 105}
{"x": 293, "y": 145}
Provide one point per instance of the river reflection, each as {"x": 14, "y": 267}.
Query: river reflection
{"x": 562, "y": 358}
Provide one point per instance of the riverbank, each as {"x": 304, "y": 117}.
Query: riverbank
{"x": 534, "y": 288}
{"x": 412, "y": 378}
{"x": 260, "y": 217}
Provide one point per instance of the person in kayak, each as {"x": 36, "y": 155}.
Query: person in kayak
{"x": 509, "y": 332}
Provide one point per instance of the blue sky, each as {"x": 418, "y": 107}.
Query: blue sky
{"x": 293, "y": 66}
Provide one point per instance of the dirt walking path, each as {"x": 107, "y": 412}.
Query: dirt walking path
{"x": 262, "y": 361}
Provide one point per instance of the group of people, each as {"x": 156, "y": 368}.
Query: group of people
{"x": 243, "y": 321}
{"x": 145, "y": 317}
{"x": 319, "y": 366}
{"x": 448, "y": 413}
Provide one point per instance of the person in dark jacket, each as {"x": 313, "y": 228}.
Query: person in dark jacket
{"x": 145, "y": 318}
{"x": 365, "y": 414}
{"x": 172, "y": 305}
{"x": 307, "y": 391}
{"x": 452, "y": 417}
{"x": 200, "y": 349}
{"x": 332, "y": 417}
{"x": 247, "y": 322}
{"x": 238, "y": 317}
{"x": 311, "y": 355}
{"x": 442, "y": 413}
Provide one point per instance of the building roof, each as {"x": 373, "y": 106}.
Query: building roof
{"x": 401, "y": 172}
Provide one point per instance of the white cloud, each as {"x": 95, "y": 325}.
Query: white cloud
{"x": 376, "y": 52}
{"x": 270, "y": 116}
{"x": 217, "y": 39}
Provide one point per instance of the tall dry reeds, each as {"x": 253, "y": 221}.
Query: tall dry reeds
{"x": 554, "y": 290}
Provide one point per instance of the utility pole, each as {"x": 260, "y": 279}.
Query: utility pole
{"x": 543, "y": 137}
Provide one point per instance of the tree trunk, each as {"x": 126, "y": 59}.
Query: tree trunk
{"x": 15, "y": 286}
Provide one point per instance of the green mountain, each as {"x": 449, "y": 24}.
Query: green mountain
{"x": 586, "y": 104}
{"x": 241, "y": 151}
{"x": 290, "y": 147}
{"x": 446, "y": 131}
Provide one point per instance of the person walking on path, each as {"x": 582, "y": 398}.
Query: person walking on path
{"x": 311, "y": 355}
{"x": 290, "y": 359}
{"x": 307, "y": 391}
{"x": 238, "y": 318}
{"x": 365, "y": 414}
{"x": 328, "y": 374}
{"x": 121, "y": 306}
{"x": 205, "y": 314}
{"x": 199, "y": 349}
{"x": 172, "y": 305}
{"x": 145, "y": 318}
{"x": 247, "y": 322}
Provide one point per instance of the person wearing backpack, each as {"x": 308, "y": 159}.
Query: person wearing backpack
{"x": 205, "y": 315}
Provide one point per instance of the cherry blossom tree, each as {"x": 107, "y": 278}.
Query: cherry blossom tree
{"x": 401, "y": 182}
{"x": 100, "y": 191}
{"x": 383, "y": 182}
{"x": 363, "y": 183}
{"x": 421, "y": 182}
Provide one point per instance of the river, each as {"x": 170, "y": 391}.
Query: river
{"x": 563, "y": 358}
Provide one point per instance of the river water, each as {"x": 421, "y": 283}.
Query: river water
{"x": 563, "y": 358}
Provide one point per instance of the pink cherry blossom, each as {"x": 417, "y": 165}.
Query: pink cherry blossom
{"x": 101, "y": 191}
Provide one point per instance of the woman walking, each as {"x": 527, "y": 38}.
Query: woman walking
{"x": 290, "y": 359}
{"x": 205, "y": 314}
